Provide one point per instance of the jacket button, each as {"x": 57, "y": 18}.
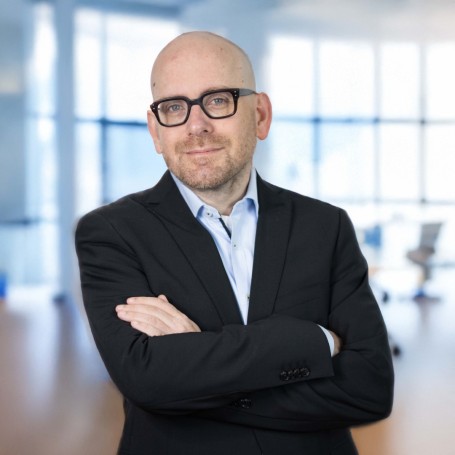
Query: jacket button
{"x": 304, "y": 372}
{"x": 245, "y": 403}
{"x": 284, "y": 376}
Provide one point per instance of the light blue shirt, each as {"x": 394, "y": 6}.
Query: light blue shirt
{"x": 234, "y": 236}
{"x": 237, "y": 250}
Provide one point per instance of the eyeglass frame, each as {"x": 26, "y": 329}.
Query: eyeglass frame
{"x": 235, "y": 92}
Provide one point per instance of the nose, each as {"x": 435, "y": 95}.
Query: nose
{"x": 198, "y": 123}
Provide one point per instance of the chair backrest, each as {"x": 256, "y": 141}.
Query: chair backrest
{"x": 429, "y": 235}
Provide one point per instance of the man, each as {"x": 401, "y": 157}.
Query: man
{"x": 235, "y": 317}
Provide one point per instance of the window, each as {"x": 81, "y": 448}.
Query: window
{"x": 399, "y": 162}
{"x": 346, "y": 79}
{"x": 291, "y": 156}
{"x": 440, "y": 163}
{"x": 399, "y": 95}
{"x": 346, "y": 165}
{"x": 440, "y": 77}
{"x": 374, "y": 122}
{"x": 290, "y": 79}
{"x": 114, "y": 56}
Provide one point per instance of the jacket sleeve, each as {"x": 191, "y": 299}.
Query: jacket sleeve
{"x": 281, "y": 365}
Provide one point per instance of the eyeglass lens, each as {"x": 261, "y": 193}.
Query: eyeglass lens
{"x": 215, "y": 105}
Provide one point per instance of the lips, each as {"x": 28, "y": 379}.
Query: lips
{"x": 203, "y": 151}
{"x": 203, "y": 145}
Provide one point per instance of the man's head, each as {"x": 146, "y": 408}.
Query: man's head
{"x": 207, "y": 153}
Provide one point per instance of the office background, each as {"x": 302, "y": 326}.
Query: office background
{"x": 364, "y": 117}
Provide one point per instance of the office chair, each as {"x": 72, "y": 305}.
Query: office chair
{"x": 422, "y": 255}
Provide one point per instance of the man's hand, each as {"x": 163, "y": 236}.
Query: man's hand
{"x": 155, "y": 316}
{"x": 337, "y": 341}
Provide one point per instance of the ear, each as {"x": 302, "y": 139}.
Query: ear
{"x": 153, "y": 130}
{"x": 263, "y": 116}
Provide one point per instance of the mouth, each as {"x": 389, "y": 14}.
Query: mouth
{"x": 204, "y": 151}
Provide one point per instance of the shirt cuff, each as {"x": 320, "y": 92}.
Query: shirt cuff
{"x": 330, "y": 340}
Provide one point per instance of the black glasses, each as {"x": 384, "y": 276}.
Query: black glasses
{"x": 216, "y": 104}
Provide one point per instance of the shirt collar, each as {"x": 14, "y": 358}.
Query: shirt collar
{"x": 195, "y": 203}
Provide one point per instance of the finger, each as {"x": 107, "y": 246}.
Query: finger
{"x": 147, "y": 329}
{"x": 149, "y": 309}
{"x": 148, "y": 323}
{"x": 161, "y": 301}
{"x": 141, "y": 313}
{"x": 149, "y": 313}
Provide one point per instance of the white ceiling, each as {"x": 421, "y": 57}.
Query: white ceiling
{"x": 414, "y": 19}
{"x": 408, "y": 19}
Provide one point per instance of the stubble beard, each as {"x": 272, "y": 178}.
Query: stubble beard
{"x": 211, "y": 173}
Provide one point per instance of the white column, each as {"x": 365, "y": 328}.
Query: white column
{"x": 64, "y": 20}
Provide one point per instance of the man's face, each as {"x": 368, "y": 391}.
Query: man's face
{"x": 205, "y": 153}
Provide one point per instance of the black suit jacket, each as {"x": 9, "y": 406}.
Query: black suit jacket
{"x": 268, "y": 387}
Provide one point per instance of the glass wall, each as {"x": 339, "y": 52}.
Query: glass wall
{"x": 358, "y": 123}
{"x": 114, "y": 52}
{"x": 114, "y": 55}
{"x": 363, "y": 121}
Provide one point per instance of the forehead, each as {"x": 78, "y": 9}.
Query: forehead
{"x": 191, "y": 68}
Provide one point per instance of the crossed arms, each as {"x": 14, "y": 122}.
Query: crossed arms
{"x": 206, "y": 371}
{"x": 155, "y": 316}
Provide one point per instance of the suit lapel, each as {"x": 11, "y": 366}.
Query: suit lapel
{"x": 196, "y": 244}
{"x": 272, "y": 237}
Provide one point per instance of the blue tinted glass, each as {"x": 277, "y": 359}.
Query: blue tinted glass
{"x": 132, "y": 163}
{"x": 291, "y": 156}
{"x": 400, "y": 81}
{"x": 399, "y": 169}
{"x": 89, "y": 59}
{"x": 440, "y": 77}
{"x": 291, "y": 79}
{"x": 89, "y": 173}
{"x": 132, "y": 43}
{"x": 41, "y": 93}
{"x": 440, "y": 163}
{"x": 346, "y": 79}
{"x": 346, "y": 166}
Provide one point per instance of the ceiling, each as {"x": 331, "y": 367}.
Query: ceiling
{"x": 413, "y": 19}
{"x": 402, "y": 19}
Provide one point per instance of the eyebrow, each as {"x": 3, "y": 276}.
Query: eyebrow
{"x": 209, "y": 89}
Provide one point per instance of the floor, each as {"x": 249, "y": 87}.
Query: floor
{"x": 56, "y": 399}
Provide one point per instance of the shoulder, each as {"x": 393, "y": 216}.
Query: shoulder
{"x": 299, "y": 203}
{"x": 120, "y": 208}
{"x": 132, "y": 205}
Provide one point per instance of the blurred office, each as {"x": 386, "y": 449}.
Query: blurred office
{"x": 364, "y": 117}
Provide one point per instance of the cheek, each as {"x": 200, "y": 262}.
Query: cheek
{"x": 164, "y": 143}
{"x": 246, "y": 134}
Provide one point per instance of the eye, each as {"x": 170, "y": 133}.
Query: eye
{"x": 172, "y": 107}
{"x": 217, "y": 100}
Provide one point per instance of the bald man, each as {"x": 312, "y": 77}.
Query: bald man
{"x": 234, "y": 316}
